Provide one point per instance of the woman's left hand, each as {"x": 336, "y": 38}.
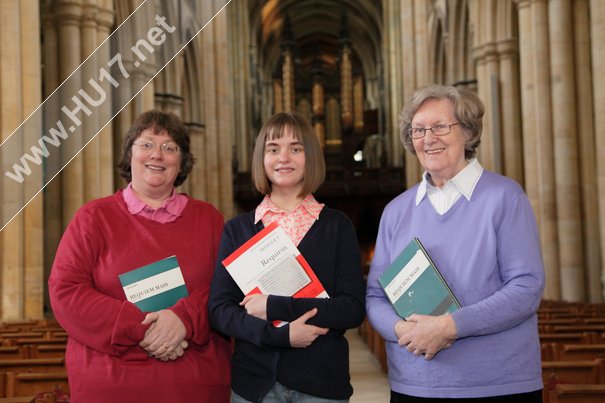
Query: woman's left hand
{"x": 256, "y": 305}
{"x": 428, "y": 335}
{"x": 165, "y": 338}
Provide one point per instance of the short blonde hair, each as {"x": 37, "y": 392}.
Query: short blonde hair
{"x": 468, "y": 111}
{"x": 301, "y": 129}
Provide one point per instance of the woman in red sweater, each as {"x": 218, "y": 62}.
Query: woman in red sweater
{"x": 116, "y": 352}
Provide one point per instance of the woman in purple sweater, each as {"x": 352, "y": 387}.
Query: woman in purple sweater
{"x": 480, "y": 230}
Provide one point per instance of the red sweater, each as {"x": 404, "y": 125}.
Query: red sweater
{"x": 104, "y": 361}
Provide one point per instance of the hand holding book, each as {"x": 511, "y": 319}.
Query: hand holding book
{"x": 413, "y": 284}
{"x": 269, "y": 263}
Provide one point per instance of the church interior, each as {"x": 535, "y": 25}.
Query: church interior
{"x": 349, "y": 67}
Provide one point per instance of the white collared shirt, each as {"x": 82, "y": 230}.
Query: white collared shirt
{"x": 463, "y": 184}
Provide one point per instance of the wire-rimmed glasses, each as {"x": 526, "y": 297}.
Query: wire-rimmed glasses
{"x": 438, "y": 130}
{"x": 149, "y": 146}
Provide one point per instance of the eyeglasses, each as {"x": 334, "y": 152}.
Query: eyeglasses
{"x": 437, "y": 130}
{"x": 149, "y": 146}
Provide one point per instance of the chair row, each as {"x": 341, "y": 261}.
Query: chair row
{"x": 29, "y": 325}
{"x": 17, "y": 338}
{"x": 578, "y": 393}
{"x": 39, "y": 365}
{"x": 570, "y": 310}
{"x": 571, "y": 372}
{"x": 44, "y": 387}
{"x": 567, "y": 352}
{"x": 33, "y": 351}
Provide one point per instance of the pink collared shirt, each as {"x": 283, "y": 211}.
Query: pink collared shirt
{"x": 167, "y": 212}
{"x": 295, "y": 223}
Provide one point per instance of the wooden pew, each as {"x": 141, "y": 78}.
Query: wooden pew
{"x": 571, "y": 372}
{"x": 578, "y": 351}
{"x": 566, "y": 338}
{"x": 28, "y": 383}
{"x": 546, "y": 325}
{"x": 33, "y": 365}
{"x": 9, "y": 339}
{"x": 595, "y": 320}
{"x": 579, "y": 328}
{"x": 8, "y": 352}
{"x": 577, "y": 394}
{"x": 578, "y": 371}
{"x": 18, "y": 399}
{"x": 46, "y": 350}
{"x": 19, "y": 325}
{"x": 40, "y": 340}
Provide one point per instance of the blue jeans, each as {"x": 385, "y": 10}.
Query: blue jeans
{"x": 280, "y": 394}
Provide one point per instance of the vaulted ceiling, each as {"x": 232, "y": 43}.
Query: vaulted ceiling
{"x": 316, "y": 27}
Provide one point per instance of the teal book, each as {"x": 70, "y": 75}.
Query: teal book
{"x": 413, "y": 284}
{"x": 156, "y": 286}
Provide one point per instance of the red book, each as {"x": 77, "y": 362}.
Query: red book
{"x": 269, "y": 263}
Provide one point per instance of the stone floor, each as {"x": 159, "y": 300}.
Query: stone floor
{"x": 370, "y": 383}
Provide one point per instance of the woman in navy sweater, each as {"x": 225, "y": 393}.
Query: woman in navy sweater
{"x": 307, "y": 359}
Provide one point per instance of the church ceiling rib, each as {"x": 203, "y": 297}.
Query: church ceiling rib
{"x": 316, "y": 27}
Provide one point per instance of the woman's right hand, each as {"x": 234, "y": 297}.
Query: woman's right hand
{"x": 164, "y": 338}
{"x": 301, "y": 334}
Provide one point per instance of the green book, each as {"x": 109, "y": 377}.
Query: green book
{"x": 413, "y": 284}
{"x": 156, "y": 286}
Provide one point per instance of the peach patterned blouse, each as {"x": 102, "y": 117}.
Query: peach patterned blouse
{"x": 295, "y": 223}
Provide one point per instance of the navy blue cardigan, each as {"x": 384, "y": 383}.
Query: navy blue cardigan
{"x": 262, "y": 352}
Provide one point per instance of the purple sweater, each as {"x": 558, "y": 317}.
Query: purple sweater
{"x": 488, "y": 251}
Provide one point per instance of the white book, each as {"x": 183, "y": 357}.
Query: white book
{"x": 269, "y": 263}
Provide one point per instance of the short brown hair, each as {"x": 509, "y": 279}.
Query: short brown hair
{"x": 468, "y": 111}
{"x": 158, "y": 121}
{"x": 274, "y": 128}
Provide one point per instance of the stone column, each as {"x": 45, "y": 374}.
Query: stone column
{"x": 246, "y": 89}
{"x": 542, "y": 110}
{"x": 536, "y": 122}
{"x": 21, "y": 276}
{"x": 224, "y": 112}
{"x": 510, "y": 105}
{"x": 34, "y": 280}
{"x": 288, "y": 81}
{"x": 68, "y": 17}
{"x": 278, "y": 95}
{"x": 393, "y": 66}
{"x": 92, "y": 152}
{"x": 487, "y": 71}
{"x": 358, "y": 104}
{"x": 565, "y": 151}
{"x": 346, "y": 87}
{"x": 408, "y": 83}
{"x": 53, "y": 217}
{"x": 586, "y": 151}
{"x": 318, "y": 106}
{"x": 423, "y": 67}
{"x": 105, "y": 21}
{"x": 210, "y": 161}
{"x": 486, "y": 62}
{"x": 597, "y": 31}
{"x": 197, "y": 179}
{"x": 211, "y": 135}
